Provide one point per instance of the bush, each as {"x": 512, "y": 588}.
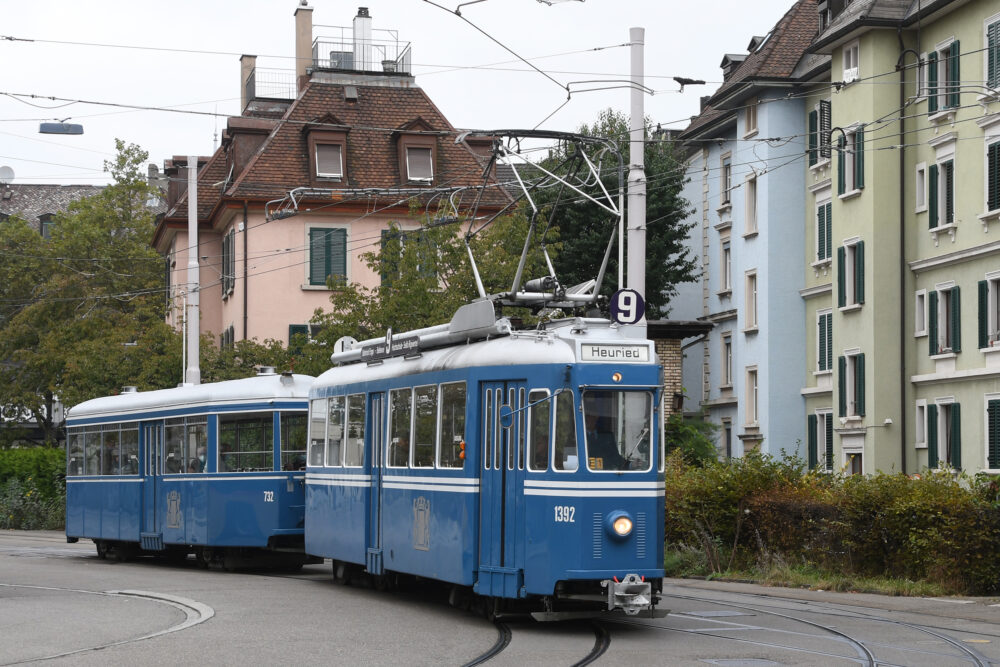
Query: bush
{"x": 32, "y": 488}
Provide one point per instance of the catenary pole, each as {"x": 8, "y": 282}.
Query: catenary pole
{"x": 192, "y": 314}
{"x": 636, "y": 211}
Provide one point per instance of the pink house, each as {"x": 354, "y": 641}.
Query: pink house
{"x": 307, "y": 179}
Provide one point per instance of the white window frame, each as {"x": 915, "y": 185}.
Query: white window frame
{"x": 849, "y": 155}
{"x": 823, "y": 198}
{"x": 945, "y": 344}
{"x": 920, "y": 89}
{"x": 993, "y": 308}
{"x": 850, "y": 259}
{"x": 726, "y": 266}
{"x": 726, "y": 180}
{"x": 943, "y": 404}
{"x": 340, "y": 160}
{"x": 750, "y": 119}
{"x": 920, "y": 421}
{"x": 752, "y": 416}
{"x": 851, "y": 60}
{"x": 429, "y": 165}
{"x": 851, "y": 399}
{"x": 920, "y": 187}
{"x": 750, "y": 204}
{"x": 727, "y": 360}
{"x": 920, "y": 313}
{"x": 306, "y": 285}
{"x": 941, "y": 93}
{"x": 750, "y": 305}
{"x": 824, "y": 421}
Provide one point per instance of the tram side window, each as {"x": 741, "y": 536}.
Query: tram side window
{"x": 335, "y": 431}
{"x": 565, "y": 439}
{"x": 110, "y": 449}
{"x": 425, "y": 426}
{"x": 197, "y": 444}
{"x": 74, "y": 447}
{"x": 354, "y": 443}
{"x": 173, "y": 439}
{"x": 618, "y": 429}
{"x": 400, "y": 409}
{"x": 538, "y": 429}
{"x": 130, "y": 450}
{"x": 452, "y": 425}
{"x": 293, "y": 440}
{"x": 317, "y": 431}
{"x": 246, "y": 442}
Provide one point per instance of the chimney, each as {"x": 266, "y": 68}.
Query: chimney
{"x": 363, "y": 41}
{"x": 303, "y": 43}
{"x": 247, "y": 90}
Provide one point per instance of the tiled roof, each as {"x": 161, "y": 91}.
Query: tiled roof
{"x": 865, "y": 12}
{"x": 775, "y": 59}
{"x": 210, "y": 178}
{"x": 30, "y": 201}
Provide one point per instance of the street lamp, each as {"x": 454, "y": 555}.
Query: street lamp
{"x": 60, "y": 127}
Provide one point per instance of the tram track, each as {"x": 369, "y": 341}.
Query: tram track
{"x": 505, "y": 639}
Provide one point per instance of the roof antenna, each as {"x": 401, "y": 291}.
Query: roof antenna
{"x": 215, "y": 133}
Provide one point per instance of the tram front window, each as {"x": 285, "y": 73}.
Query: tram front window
{"x": 618, "y": 429}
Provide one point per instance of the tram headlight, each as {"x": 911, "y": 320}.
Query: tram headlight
{"x": 619, "y": 525}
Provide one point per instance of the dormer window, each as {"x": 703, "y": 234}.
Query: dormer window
{"x": 419, "y": 164}
{"x": 329, "y": 161}
{"x": 326, "y": 139}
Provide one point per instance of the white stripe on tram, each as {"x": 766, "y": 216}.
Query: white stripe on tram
{"x": 432, "y": 487}
{"x": 462, "y": 481}
{"x": 591, "y": 485}
{"x": 72, "y": 480}
{"x": 313, "y": 476}
{"x": 583, "y": 493}
{"x": 339, "y": 482}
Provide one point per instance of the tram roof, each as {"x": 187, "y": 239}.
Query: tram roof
{"x": 247, "y": 390}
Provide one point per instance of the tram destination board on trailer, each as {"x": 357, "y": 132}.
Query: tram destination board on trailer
{"x": 213, "y": 469}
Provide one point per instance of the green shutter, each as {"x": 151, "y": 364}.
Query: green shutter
{"x": 842, "y": 386}
{"x": 949, "y": 191}
{"x": 337, "y": 243}
{"x": 954, "y": 75}
{"x": 955, "y": 444}
{"x": 821, "y": 333}
{"x": 984, "y": 314}
{"x": 993, "y": 173}
{"x": 812, "y": 452}
{"x": 932, "y": 437}
{"x": 318, "y": 270}
{"x": 841, "y": 278}
{"x": 932, "y": 196}
{"x": 859, "y": 158}
{"x": 993, "y": 432}
{"x": 841, "y": 173}
{"x": 956, "y": 320}
{"x": 859, "y": 272}
{"x": 829, "y": 341}
{"x": 859, "y": 384}
{"x": 824, "y": 129}
{"x": 932, "y": 323}
{"x": 829, "y": 227}
{"x": 813, "y": 129}
{"x": 932, "y": 79}
{"x": 993, "y": 55}
{"x": 821, "y": 232}
{"x": 296, "y": 330}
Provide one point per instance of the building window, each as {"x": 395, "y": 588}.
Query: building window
{"x": 993, "y": 174}
{"x": 751, "y": 402}
{"x": 993, "y": 53}
{"x": 920, "y": 87}
{"x": 941, "y": 190}
{"x": 751, "y": 301}
{"x": 750, "y": 200}
{"x": 920, "y": 314}
{"x": 228, "y": 338}
{"x": 944, "y": 434}
{"x": 751, "y": 119}
{"x": 727, "y": 360}
{"x": 851, "y": 384}
{"x": 851, "y": 161}
{"x": 819, "y": 133}
{"x": 727, "y": 437}
{"x": 228, "y": 262}
{"x": 989, "y": 311}
{"x": 920, "y": 423}
{"x": 47, "y": 222}
{"x": 726, "y": 180}
{"x": 824, "y": 230}
{"x": 993, "y": 434}
{"x": 419, "y": 164}
{"x": 943, "y": 78}
{"x": 819, "y": 435}
{"x": 327, "y": 254}
{"x": 727, "y": 267}
{"x": 329, "y": 161}
{"x": 851, "y": 274}
{"x": 851, "y": 58}
{"x": 824, "y": 340}
{"x": 944, "y": 320}
{"x": 920, "y": 188}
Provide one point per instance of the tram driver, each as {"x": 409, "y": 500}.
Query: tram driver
{"x": 601, "y": 448}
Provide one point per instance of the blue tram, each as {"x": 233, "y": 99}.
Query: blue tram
{"x": 215, "y": 469}
{"x": 523, "y": 466}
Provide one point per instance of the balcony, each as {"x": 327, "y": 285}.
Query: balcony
{"x": 273, "y": 84}
{"x": 382, "y": 53}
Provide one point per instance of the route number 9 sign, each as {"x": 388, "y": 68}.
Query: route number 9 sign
{"x": 627, "y": 306}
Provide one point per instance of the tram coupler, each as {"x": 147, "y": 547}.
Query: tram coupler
{"x": 632, "y": 594}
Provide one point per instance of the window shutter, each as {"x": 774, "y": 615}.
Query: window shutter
{"x": 829, "y": 227}
{"x": 841, "y": 183}
{"x": 932, "y": 323}
{"x": 954, "y": 76}
{"x": 829, "y": 341}
{"x": 932, "y": 79}
{"x": 842, "y": 386}
{"x": 932, "y": 437}
{"x": 337, "y": 244}
{"x": 859, "y": 272}
{"x": 328, "y": 160}
{"x": 821, "y": 232}
{"x": 824, "y": 129}
{"x": 955, "y": 444}
{"x": 296, "y": 330}
{"x": 949, "y": 191}
{"x": 821, "y": 361}
{"x": 841, "y": 278}
{"x": 993, "y": 55}
{"x": 993, "y": 431}
{"x": 956, "y": 320}
{"x": 984, "y": 314}
{"x": 829, "y": 442}
{"x": 859, "y": 158}
{"x": 318, "y": 265}
{"x": 932, "y": 196}
{"x": 813, "y": 139}
{"x": 812, "y": 452}
{"x": 993, "y": 168}
{"x": 859, "y": 384}
{"x": 418, "y": 164}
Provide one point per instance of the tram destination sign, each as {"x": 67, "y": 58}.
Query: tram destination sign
{"x": 392, "y": 347}
{"x": 626, "y": 353}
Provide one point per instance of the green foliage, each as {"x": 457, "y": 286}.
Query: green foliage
{"x": 761, "y": 514}
{"x": 693, "y": 436}
{"x": 585, "y": 229}
{"x": 32, "y": 488}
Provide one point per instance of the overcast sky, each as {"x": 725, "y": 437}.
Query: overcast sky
{"x": 185, "y": 55}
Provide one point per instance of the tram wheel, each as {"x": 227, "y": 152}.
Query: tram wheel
{"x": 102, "y": 549}
{"x": 203, "y": 556}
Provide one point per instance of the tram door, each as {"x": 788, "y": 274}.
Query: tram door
{"x": 501, "y": 532}
{"x": 376, "y": 410}
{"x": 152, "y": 438}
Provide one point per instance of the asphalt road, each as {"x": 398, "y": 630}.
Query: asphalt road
{"x": 60, "y": 604}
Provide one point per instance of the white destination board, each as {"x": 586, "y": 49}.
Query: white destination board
{"x": 627, "y": 353}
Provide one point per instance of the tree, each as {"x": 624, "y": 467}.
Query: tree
{"x": 585, "y": 229}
